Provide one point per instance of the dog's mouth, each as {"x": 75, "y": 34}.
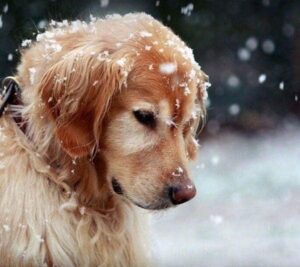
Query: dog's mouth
{"x": 159, "y": 205}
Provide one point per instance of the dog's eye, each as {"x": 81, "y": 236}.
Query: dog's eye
{"x": 145, "y": 117}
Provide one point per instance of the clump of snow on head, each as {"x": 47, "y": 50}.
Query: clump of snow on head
{"x": 168, "y": 68}
{"x": 145, "y": 34}
{"x": 25, "y": 43}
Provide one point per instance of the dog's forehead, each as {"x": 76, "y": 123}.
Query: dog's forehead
{"x": 171, "y": 95}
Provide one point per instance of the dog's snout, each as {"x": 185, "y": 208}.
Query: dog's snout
{"x": 182, "y": 192}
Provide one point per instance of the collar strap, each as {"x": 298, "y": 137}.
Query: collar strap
{"x": 10, "y": 93}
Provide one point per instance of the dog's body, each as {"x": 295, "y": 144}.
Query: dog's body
{"x": 80, "y": 84}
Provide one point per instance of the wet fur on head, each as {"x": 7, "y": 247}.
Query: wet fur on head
{"x": 82, "y": 86}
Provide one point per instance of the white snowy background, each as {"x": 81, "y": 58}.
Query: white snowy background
{"x": 247, "y": 209}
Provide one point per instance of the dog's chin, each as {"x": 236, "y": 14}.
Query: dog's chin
{"x": 157, "y": 205}
{"x": 160, "y": 205}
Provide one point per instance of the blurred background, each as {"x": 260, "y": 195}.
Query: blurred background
{"x": 247, "y": 211}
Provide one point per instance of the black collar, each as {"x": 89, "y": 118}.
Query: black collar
{"x": 10, "y": 94}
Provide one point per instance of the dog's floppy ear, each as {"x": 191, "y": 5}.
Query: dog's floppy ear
{"x": 76, "y": 92}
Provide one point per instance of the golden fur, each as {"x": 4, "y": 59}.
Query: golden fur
{"x": 80, "y": 84}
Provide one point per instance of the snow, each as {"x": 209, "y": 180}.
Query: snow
{"x": 233, "y": 81}
{"x": 39, "y": 238}
{"x": 5, "y": 8}
{"x": 244, "y": 54}
{"x": 145, "y": 34}
{"x": 26, "y": 43}
{"x": 10, "y": 57}
{"x": 288, "y": 30}
{"x": 104, "y": 3}
{"x": 42, "y": 24}
{"x": 281, "y": 86}
{"x": 216, "y": 219}
{"x": 168, "y": 67}
{"x": 121, "y": 62}
{"x": 262, "y": 78}
{"x": 6, "y": 227}
{"x": 247, "y": 208}
{"x": 234, "y": 109}
{"x": 82, "y": 210}
{"x": 32, "y": 72}
{"x": 266, "y": 2}
{"x": 252, "y": 43}
{"x": 1, "y": 22}
{"x": 268, "y": 46}
{"x": 187, "y": 10}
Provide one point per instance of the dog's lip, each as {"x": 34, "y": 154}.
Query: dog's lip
{"x": 117, "y": 188}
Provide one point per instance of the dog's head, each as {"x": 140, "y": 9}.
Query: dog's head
{"x": 138, "y": 99}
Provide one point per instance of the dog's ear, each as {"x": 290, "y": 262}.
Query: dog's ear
{"x": 77, "y": 92}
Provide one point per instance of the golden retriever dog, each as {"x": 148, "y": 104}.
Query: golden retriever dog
{"x": 108, "y": 115}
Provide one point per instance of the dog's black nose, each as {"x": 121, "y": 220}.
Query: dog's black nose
{"x": 182, "y": 192}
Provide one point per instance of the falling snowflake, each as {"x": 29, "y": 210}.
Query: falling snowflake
{"x": 6, "y": 227}
{"x": 288, "y": 30}
{"x": 233, "y": 81}
{"x": 244, "y": 54}
{"x": 104, "y": 3}
{"x": 268, "y": 46}
{"x": 262, "y": 78}
{"x": 252, "y": 43}
{"x": 216, "y": 219}
{"x": 234, "y": 109}
{"x": 215, "y": 160}
{"x": 187, "y": 10}
{"x": 281, "y": 85}
{"x": 10, "y": 57}
{"x": 5, "y": 8}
